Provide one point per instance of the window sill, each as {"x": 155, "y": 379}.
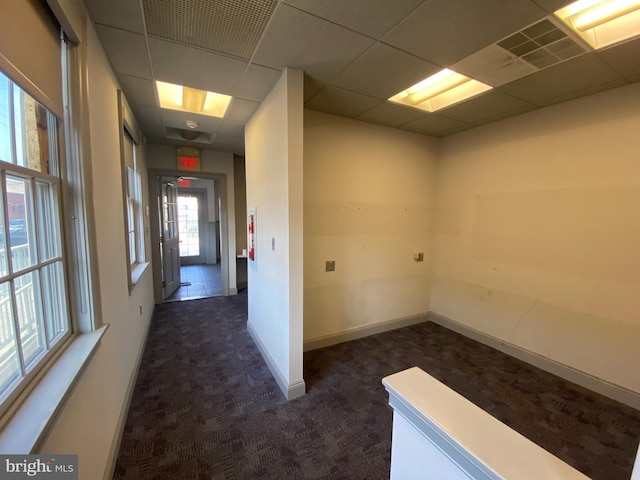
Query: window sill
{"x": 28, "y": 425}
{"x": 136, "y": 273}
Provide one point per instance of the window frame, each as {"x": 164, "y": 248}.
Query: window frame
{"x": 27, "y": 417}
{"x": 136, "y": 260}
{"x": 31, "y": 368}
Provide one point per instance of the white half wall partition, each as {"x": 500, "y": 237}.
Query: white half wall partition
{"x": 274, "y": 142}
{"x": 437, "y": 434}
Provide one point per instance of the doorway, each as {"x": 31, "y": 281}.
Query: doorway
{"x": 189, "y": 233}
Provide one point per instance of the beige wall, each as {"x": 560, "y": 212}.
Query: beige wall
{"x": 89, "y": 422}
{"x": 537, "y": 233}
{"x": 274, "y": 152}
{"x": 368, "y": 199}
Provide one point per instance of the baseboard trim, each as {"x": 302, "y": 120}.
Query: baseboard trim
{"x": 365, "y": 331}
{"x": 122, "y": 418}
{"x": 615, "y": 392}
{"x": 290, "y": 391}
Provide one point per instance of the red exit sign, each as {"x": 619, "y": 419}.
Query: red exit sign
{"x": 188, "y": 163}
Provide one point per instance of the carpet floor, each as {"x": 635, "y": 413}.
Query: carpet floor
{"x": 205, "y": 405}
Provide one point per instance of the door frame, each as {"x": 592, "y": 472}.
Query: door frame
{"x": 227, "y": 242}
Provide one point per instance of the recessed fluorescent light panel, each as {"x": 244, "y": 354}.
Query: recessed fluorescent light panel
{"x": 439, "y": 91}
{"x": 601, "y": 23}
{"x": 186, "y": 99}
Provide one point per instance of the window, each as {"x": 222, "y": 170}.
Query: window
{"x": 133, "y": 202}
{"x": 34, "y": 318}
{"x": 134, "y": 219}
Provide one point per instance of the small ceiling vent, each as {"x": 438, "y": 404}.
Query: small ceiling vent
{"x": 230, "y": 27}
{"x": 542, "y": 45}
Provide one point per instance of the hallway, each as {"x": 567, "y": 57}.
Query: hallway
{"x": 206, "y": 406}
{"x": 198, "y": 281}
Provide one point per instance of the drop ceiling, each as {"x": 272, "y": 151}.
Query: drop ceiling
{"x": 355, "y": 54}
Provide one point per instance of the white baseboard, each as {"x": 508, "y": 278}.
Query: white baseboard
{"x": 365, "y": 331}
{"x": 122, "y": 418}
{"x": 578, "y": 377}
{"x": 290, "y": 391}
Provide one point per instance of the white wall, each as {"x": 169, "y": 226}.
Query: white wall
{"x": 273, "y": 139}
{"x": 538, "y": 232}
{"x": 368, "y": 200}
{"x": 89, "y": 422}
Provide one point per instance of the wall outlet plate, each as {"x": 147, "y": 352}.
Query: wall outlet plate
{"x": 330, "y": 266}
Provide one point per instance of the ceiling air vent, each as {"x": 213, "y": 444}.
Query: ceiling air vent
{"x": 230, "y": 27}
{"x": 542, "y": 45}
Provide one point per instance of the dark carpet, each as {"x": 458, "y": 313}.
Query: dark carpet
{"x": 206, "y": 407}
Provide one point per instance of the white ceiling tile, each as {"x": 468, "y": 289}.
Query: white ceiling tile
{"x": 401, "y": 70}
{"x": 624, "y": 59}
{"x": 553, "y": 5}
{"x": 123, "y": 14}
{"x": 229, "y": 144}
{"x": 149, "y": 119}
{"x": 300, "y": 40}
{"x": 241, "y": 110}
{"x": 230, "y": 128}
{"x": 257, "y": 82}
{"x": 584, "y": 92}
{"x": 195, "y": 68}
{"x": 127, "y": 51}
{"x": 391, "y": 114}
{"x": 338, "y": 101}
{"x": 432, "y": 124}
{"x": 490, "y": 104}
{"x": 311, "y": 87}
{"x": 371, "y": 17}
{"x": 446, "y": 32}
{"x": 140, "y": 89}
{"x": 578, "y": 74}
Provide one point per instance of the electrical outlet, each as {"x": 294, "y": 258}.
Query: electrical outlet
{"x": 418, "y": 257}
{"x": 330, "y": 266}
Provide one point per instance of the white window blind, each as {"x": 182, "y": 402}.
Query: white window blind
{"x": 30, "y": 51}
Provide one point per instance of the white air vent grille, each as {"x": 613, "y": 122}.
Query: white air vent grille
{"x": 230, "y": 27}
{"x": 542, "y": 45}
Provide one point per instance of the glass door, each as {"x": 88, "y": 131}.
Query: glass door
{"x": 191, "y": 227}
